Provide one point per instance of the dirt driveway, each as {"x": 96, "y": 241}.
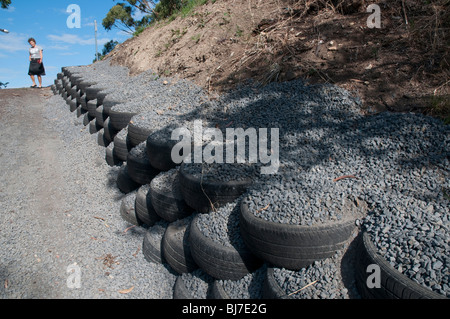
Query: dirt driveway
{"x": 59, "y": 207}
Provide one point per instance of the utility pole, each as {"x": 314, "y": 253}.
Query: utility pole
{"x": 96, "y": 46}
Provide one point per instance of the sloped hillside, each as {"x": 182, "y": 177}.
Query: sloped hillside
{"x": 402, "y": 66}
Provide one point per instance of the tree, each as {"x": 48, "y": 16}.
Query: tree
{"x": 165, "y": 8}
{"x": 108, "y": 47}
{"x": 143, "y": 5}
{"x": 5, "y": 3}
{"x": 120, "y": 16}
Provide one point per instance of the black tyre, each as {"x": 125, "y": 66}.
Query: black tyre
{"x": 101, "y": 96}
{"x": 109, "y": 131}
{"x": 139, "y": 167}
{"x": 73, "y": 92}
{"x": 107, "y": 102}
{"x": 217, "y": 291}
{"x": 120, "y": 120}
{"x": 205, "y": 196}
{"x": 83, "y": 84}
{"x": 93, "y": 91}
{"x": 124, "y": 182}
{"x": 160, "y": 152}
{"x": 83, "y": 103}
{"x": 101, "y": 140}
{"x": 87, "y": 119}
{"x": 94, "y": 127}
{"x": 67, "y": 85}
{"x": 137, "y": 134}
{"x": 122, "y": 146}
{"x": 176, "y": 248}
{"x": 127, "y": 209}
{"x": 249, "y": 287}
{"x": 199, "y": 281}
{"x": 180, "y": 292}
{"x": 219, "y": 261}
{"x": 152, "y": 244}
{"x": 166, "y": 197}
{"x": 75, "y": 79}
{"x": 144, "y": 206}
{"x": 292, "y": 246}
{"x": 271, "y": 289}
{"x": 110, "y": 158}
{"x": 80, "y": 112}
{"x": 92, "y": 107}
{"x": 100, "y": 116}
{"x": 73, "y": 105}
{"x": 394, "y": 285}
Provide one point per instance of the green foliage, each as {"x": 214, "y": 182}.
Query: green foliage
{"x": 145, "y": 6}
{"x": 170, "y": 8}
{"x": 440, "y": 106}
{"x": 190, "y": 5}
{"x": 107, "y": 48}
{"x": 239, "y": 31}
{"x": 166, "y": 8}
{"x": 120, "y": 16}
{"x": 143, "y": 24}
{"x": 5, "y": 4}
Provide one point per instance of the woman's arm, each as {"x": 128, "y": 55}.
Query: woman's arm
{"x": 42, "y": 56}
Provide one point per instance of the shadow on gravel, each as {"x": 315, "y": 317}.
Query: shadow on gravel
{"x": 347, "y": 268}
{"x": 322, "y": 124}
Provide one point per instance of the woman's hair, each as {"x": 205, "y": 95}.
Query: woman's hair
{"x": 31, "y": 39}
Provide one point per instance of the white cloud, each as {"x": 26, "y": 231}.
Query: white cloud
{"x": 138, "y": 15}
{"x": 69, "y": 53}
{"x": 76, "y": 40}
{"x": 13, "y": 42}
{"x": 11, "y": 9}
{"x": 59, "y": 47}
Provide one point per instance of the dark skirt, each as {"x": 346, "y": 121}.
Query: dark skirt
{"x": 36, "y": 68}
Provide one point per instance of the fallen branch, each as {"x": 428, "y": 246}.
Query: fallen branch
{"x": 404, "y": 12}
{"x": 343, "y": 177}
{"x": 263, "y": 209}
{"x": 295, "y": 292}
{"x": 126, "y": 230}
{"x": 137, "y": 252}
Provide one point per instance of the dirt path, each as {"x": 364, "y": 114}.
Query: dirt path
{"x": 59, "y": 208}
{"x": 35, "y": 180}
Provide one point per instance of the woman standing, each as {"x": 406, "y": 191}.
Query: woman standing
{"x": 36, "y": 63}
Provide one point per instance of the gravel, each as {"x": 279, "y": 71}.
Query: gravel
{"x": 157, "y": 231}
{"x": 197, "y": 283}
{"x": 167, "y": 183}
{"x": 248, "y": 287}
{"x": 388, "y": 172}
{"x": 222, "y": 226}
{"x": 184, "y": 224}
{"x": 322, "y": 280}
{"x": 73, "y": 220}
{"x": 140, "y": 151}
{"x": 122, "y": 135}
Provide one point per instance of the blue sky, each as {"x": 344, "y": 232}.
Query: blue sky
{"x": 46, "y": 21}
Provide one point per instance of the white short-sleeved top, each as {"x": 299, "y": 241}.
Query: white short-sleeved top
{"x": 34, "y": 52}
